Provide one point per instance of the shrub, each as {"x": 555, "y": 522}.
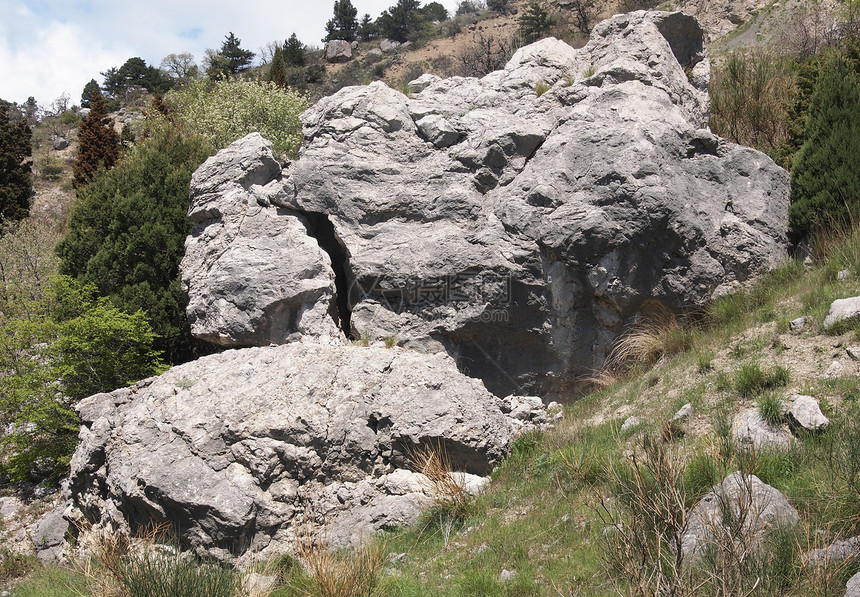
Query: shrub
{"x": 353, "y": 573}
{"x": 227, "y": 110}
{"x": 121, "y": 217}
{"x": 825, "y": 177}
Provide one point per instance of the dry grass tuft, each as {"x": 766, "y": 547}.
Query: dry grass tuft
{"x": 660, "y": 335}
{"x": 354, "y": 573}
{"x": 445, "y": 486}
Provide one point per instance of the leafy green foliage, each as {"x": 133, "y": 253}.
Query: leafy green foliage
{"x": 126, "y": 235}
{"x": 16, "y": 186}
{"x": 825, "y": 178}
{"x": 98, "y": 142}
{"x": 224, "y": 111}
{"x": 343, "y": 24}
{"x": 70, "y": 344}
{"x": 536, "y": 21}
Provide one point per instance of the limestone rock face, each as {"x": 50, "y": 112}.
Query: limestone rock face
{"x": 241, "y": 450}
{"x": 521, "y": 232}
{"x": 252, "y": 272}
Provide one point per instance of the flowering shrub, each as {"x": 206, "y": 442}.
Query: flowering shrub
{"x": 226, "y": 110}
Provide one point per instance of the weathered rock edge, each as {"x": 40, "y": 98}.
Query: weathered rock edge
{"x": 242, "y": 450}
{"x": 520, "y": 233}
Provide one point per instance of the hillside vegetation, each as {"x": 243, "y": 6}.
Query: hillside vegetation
{"x": 592, "y": 507}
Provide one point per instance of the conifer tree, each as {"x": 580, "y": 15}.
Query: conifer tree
{"x": 343, "y": 24}
{"x": 294, "y": 52}
{"x": 87, "y": 95}
{"x": 825, "y": 178}
{"x": 16, "y": 186}
{"x": 278, "y": 68}
{"x": 98, "y": 142}
{"x": 535, "y": 22}
{"x": 401, "y": 21}
{"x": 230, "y": 60}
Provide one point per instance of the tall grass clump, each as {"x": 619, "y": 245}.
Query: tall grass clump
{"x": 350, "y": 573}
{"x": 752, "y": 380}
{"x": 445, "y": 486}
{"x": 660, "y": 335}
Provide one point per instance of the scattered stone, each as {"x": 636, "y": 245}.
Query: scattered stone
{"x": 393, "y": 558}
{"x": 389, "y": 45}
{"x": 806, "y": 413}
{"x": 752, "y": 431}
{"x": 354, "y": 45}
{"x": 506, "y": 575}
{"x": 853, "y": 352}
{"x": 471, "y": 484}
{"x": 374, "y": 52}
{"x": 437, "y": 130}
{"x": 629, "y": 423}
{"x": 59, "y": 143}
{"x": 338, "y": 50}
{"x": 842, "y": 311}
{"x": 9, "y": 507}
{"x": 49, "y": 534}
{"x": 843, "y": 275}
{"x": 835, "y": 370}
{"x": 761, "y": 506}
{"x": 798, "y": 324}
{"x": 836, "y": 552}
{"x": 685, "y": 412}
{"x": 258, "y": 585}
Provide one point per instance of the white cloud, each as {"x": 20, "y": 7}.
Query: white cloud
{"x": 55, "y": 46}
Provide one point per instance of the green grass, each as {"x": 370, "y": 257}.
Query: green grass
{"x": 52, "y": 581}
{"x": 752, "y": 380}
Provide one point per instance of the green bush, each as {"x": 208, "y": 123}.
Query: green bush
{"x": 71, "y": 345}
{"x": 127, "y": 234}
{"x": 227, "y": 110}
{"x": 825, "y": 177}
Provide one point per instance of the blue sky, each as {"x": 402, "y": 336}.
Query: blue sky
{"x": 51, "y": 47}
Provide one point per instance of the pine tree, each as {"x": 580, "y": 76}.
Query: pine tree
{"x": 16, "y": 186}
{"x": 367, "y": 29}
{"x": 87, "y": 95}
{"x": 401, "y": 21}
{"x": 230, "y": 60}
{"x": 278, "y": 68}
{"x": 127, "y": 235}
{"x": 535, "y": 22}
{"x": 294, "y": 52}
{"x": 825, "y": 178}
{"x": 343, "y": 24}
{"x": 98, "y": 142}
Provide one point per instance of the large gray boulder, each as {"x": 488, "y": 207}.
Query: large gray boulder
{"x": 521, "y": 233}
{"x": 338, "y": 50}
{"x": 242, "y": 450}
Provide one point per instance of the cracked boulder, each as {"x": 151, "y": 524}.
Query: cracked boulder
{"x": 521, "y": 221}
{"x": 244, "y": 450}
{"x": 254, "y": 274}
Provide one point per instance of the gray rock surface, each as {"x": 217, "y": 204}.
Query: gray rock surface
{"x": 842, "y": 311}
{"x": 806, "y": 413}
{"x": 684, "y": 413}
{"x": 852, "y": 587}
{"x": 521, "y": 233}
{"x": 798, "y": 324}
{"x": 48, "y": 535}
{"x": 389, "y": 45}
{"x": 760, "y": 506}
{"x": 752, "y": 431}
{"x": 338, "y": 50}
{"x": 245, "y": 448}
{"x": 836, "y": 552}
{"x": 253, "y": 273}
